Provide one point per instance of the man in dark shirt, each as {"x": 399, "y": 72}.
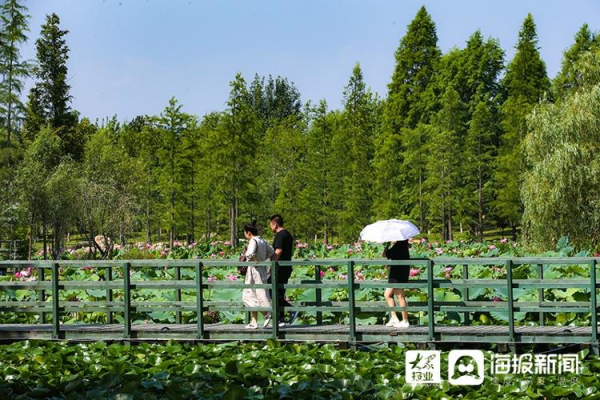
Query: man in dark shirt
{"x": 283, "y": 246}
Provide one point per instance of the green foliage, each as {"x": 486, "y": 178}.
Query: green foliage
{"x": 562, "y": 187}
{"x": 50, "y": 96}
{"x": 405, "y": 106}
{"x": 525, "y": 84}
{"x": 268, "y": 370}
{"x": 13, "y": 70}
{"x": 568, "y": 78}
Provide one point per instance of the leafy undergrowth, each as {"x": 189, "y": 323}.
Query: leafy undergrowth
{"x": 252, "y": 370}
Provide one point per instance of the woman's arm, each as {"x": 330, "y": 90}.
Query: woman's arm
{"x": 270, "y": 251}
{"x": 251, "y": 252}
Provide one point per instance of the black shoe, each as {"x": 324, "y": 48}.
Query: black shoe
{"x": 293, "y": 316}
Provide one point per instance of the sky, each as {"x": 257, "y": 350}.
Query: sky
{"x": 129, "y": 57}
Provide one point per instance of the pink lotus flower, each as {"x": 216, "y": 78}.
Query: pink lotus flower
{"x": 414, "y": 272}
{"x": 221, "y": 253}
{"x": 227, "y": 243}
{"x": 448, "y": 271}
{"x": 496, "y": 298}
{"x": 504, "y": 240}
{"x": 322, "y": 274}
{"x": 410, "y": 240}
{"x": 492, "y": 247}
{"x": 596, "y": 254}
{"x": 329, "y": 247}
{"x": 213, "y": 255}
{"x": 17, "y": 274}
{"x": 343, "y": 276}
{"x": 163, "y": 253}
{"x": 350, "y": 251}
{"x": 232, "y": 277}
{"x": 439, "y": 251}
{"x": 211, "y": 278}
{"x": 423, "y": 240}
{"x": 331, "y": 269}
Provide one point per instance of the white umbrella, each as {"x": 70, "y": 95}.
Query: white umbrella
{"x": 390, "y": 230}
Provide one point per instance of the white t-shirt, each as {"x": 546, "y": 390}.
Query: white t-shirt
{"x": 258, "y": 249}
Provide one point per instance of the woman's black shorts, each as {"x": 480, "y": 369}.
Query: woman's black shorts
{"x": 399, "y": 273}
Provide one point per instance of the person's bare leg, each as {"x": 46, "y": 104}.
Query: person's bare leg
{"x": 402, "y": 300}
{"x": 389, "y": 298}
{"x": 254, "y": 317}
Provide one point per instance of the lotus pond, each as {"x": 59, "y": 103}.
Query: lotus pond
{"x": 268, "y": 370}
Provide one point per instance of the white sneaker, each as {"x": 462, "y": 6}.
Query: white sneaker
{"x": 267, "y": 322}
{"x": 282, "y": 324}
{"x": 393, "y": 322}
{"x": 402, "y": 324}
{"x": 252, "y": 326}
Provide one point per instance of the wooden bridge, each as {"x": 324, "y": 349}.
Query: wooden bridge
{"x": 121, "y": 304}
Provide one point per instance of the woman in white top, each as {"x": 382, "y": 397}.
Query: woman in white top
{"x": 258, "y": 250}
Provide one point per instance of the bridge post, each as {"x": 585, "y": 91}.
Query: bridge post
{"x": 127, "y": 300}
{"x": 540, "y": 273}
{"x": 178, "y": 294}
{"x": 511, "y": 314}
{"x": 199, "y": 301}
{"x": 430, "y": 303}
{"x": 55, "y": 303}
{"x": 109, "y": 294}
{"x": 465, "y": 293}
{"x": 351, "y": 302}
{"x": 318, "y": 295}
{"x": 594, "y": 307}
{"x": 42, "y": 293}
{"x": 275, "y": 299}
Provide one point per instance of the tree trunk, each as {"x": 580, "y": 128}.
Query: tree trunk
{"x": 421, "y": 213}
{"x": 45, "y": 242}
{"x": 172, "y": 221}
{"x": 148, "y": 231}
{"x": 31, "y": 229}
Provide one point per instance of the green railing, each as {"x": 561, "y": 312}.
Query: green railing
{"x": 120, "y": 304}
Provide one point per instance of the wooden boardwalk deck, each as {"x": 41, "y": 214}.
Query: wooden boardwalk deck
{"x": 318, "y": 333}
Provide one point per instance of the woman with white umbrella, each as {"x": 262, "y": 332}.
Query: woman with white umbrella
{"x": 397, "y": 231}
{"x": 397, "y": 274}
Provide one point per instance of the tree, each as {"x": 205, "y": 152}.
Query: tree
{"x": 39, "y": 162}
{"x": 109, "y": 199}
{"x": 352, "y": 150}
{"x": 566, "y": 80}
{"x": 236, "y": 152}
{"x": 191, "y": 153}
{"x": 443, "y": 178}
{"x": 12, "y": 68}
{"x": 171, "y": 125}
{"x": 318, "y": 211}
{"x": 525, "y": 84}
{"x": 562, "y": 186}
{"x": 478, "y": 165}
{"x": 49, "y": 99}
{"x": 405, "y": 107}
